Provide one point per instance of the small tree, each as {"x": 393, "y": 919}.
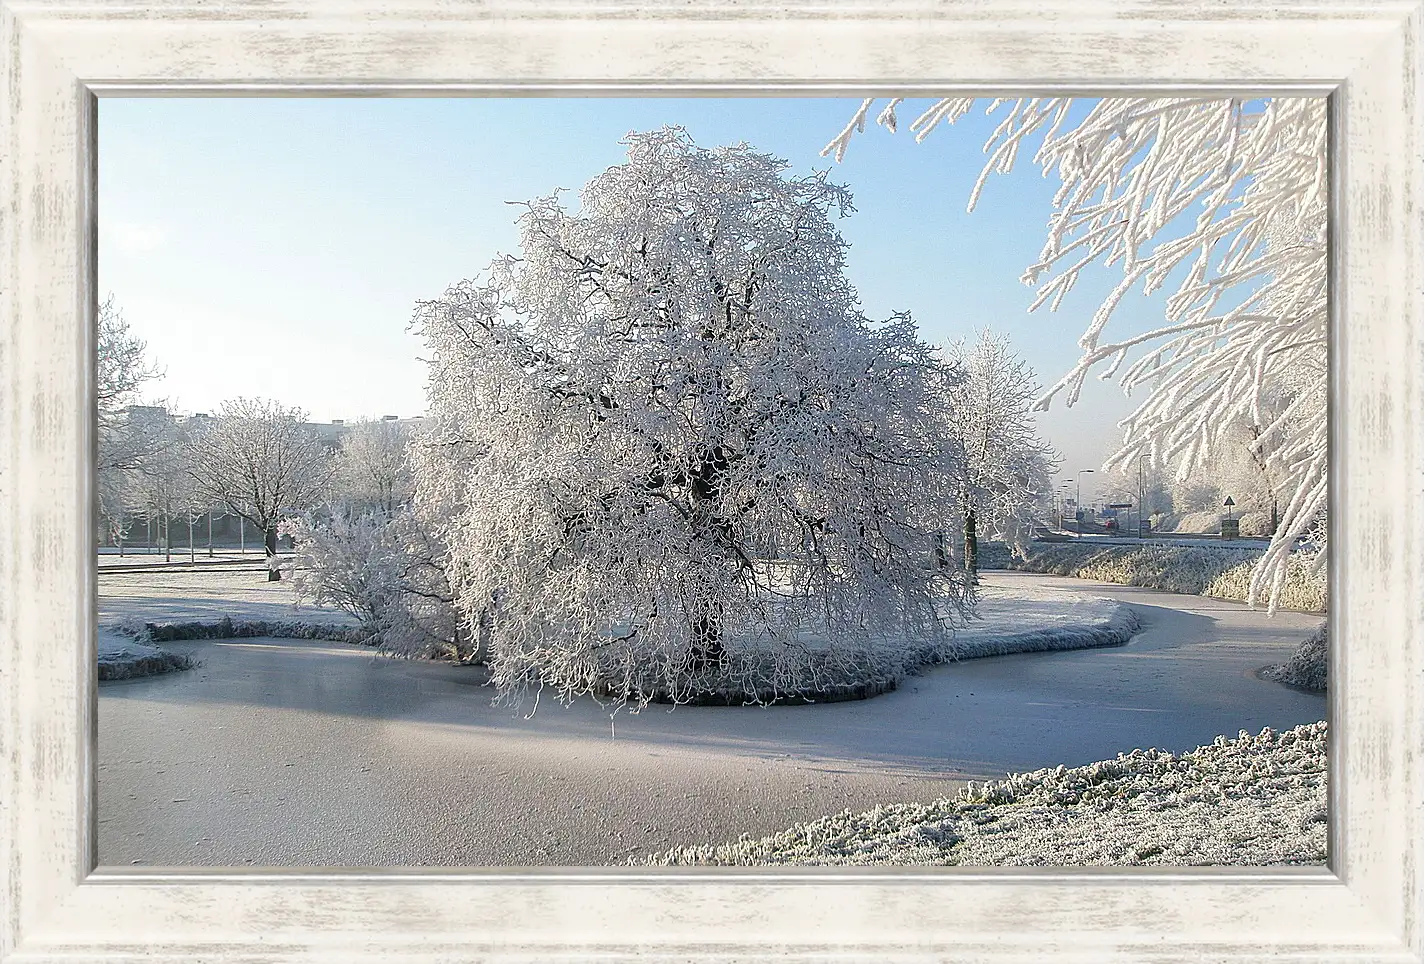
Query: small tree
{"x": 671, "y": 446}
{"x": 1006, "y": 479}
{"x": 164, "y": 479}
{"x": 259, "y": 460}
{"x": 372, "y": 471}
{"x": 121, "y": 370}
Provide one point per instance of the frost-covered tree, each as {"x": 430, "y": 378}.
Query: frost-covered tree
{"x": 1226, "y": 196}
{"x": 262, "y": 462}
{"x": 1006, "y": 483}
{"x": 372, "y": 471}
{"x": 122, "y": 368}
{"x": 669, "y": 446}
{"x": 162, "y": 484}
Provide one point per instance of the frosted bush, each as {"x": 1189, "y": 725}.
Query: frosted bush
{"x": 1308, "y": 666}
{"x": 387, "y": 571}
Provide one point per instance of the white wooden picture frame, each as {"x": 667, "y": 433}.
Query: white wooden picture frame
{"x": 58, "y": 55}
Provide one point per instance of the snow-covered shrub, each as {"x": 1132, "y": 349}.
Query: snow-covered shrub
{"x": 387, "y": 571}
{"x": 1255, "y": 524}
{"x": 229, "y": 628}
{"x": 1304, "y": 587}
{"x": 1307, "y": 667}
{"x": 1222, "y": 572}
{"x": 995, "y": 555}
{"x": 669, "y": 452}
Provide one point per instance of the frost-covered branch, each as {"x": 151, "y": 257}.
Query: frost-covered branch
{"x": 1226, "y": 197}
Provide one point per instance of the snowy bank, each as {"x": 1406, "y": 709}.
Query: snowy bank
{"x": 175, "y": 605}
{"x": 1036, "y": 620}
{"x": 121, "y": 656}
{"x": 139, "y": 608}
{"x": 175, "y": 595}
{"x": 1222, "y": 572}
{"x": 1254, "y": 800}
{"x": 1307, "y": 666}
{"x": 1007, "y": 621}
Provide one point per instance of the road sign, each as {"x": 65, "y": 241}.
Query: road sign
{"x": 1120, "y": 505}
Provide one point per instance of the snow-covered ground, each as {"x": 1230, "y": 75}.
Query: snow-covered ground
{"x": 308, "y": 747}
{"x": 186, "y": 595}
{"x": 130, "y": 599}
{"x": 152, "y": 555}
{"x": 1254, "y": 800}
{"x": 1031, "y": 619}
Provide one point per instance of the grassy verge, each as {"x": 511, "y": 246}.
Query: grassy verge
{"x": 1219, "y": 572}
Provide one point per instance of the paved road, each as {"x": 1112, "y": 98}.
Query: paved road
{"x": 284, "y": 752}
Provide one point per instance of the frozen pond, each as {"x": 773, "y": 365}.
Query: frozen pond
{"x": 284, "y": 752}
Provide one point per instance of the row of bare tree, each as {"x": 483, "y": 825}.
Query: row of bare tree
{"x": 254, "y": 459}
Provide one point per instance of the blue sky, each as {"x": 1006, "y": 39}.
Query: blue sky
{"x": 276, "y": 247}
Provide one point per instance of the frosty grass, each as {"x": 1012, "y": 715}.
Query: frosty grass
{"x": 1219, "y": 572}
{"x": 1254, "y": 800}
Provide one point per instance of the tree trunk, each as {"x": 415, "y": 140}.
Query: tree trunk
{"x": 707, "y": 637}
{"x": 273, "y": 573}
{"x": 972, "y": 546}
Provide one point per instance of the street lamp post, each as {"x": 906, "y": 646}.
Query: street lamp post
{"x": 1140, "y": 494}
{"x": 1079, "y": 502}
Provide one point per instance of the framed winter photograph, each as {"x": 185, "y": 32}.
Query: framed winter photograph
{"x": 719, "y": 516}
{"x": 533, "y": 483}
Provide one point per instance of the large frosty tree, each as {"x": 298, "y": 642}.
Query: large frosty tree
{"x": 261, "y": 461}
{"x": 1006, "y": 480}
{"x": 671, "y": 448}
{"x": 1226, "y": 197}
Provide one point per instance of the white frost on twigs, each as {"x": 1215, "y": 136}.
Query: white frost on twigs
{"x": 1228, "y": 198}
